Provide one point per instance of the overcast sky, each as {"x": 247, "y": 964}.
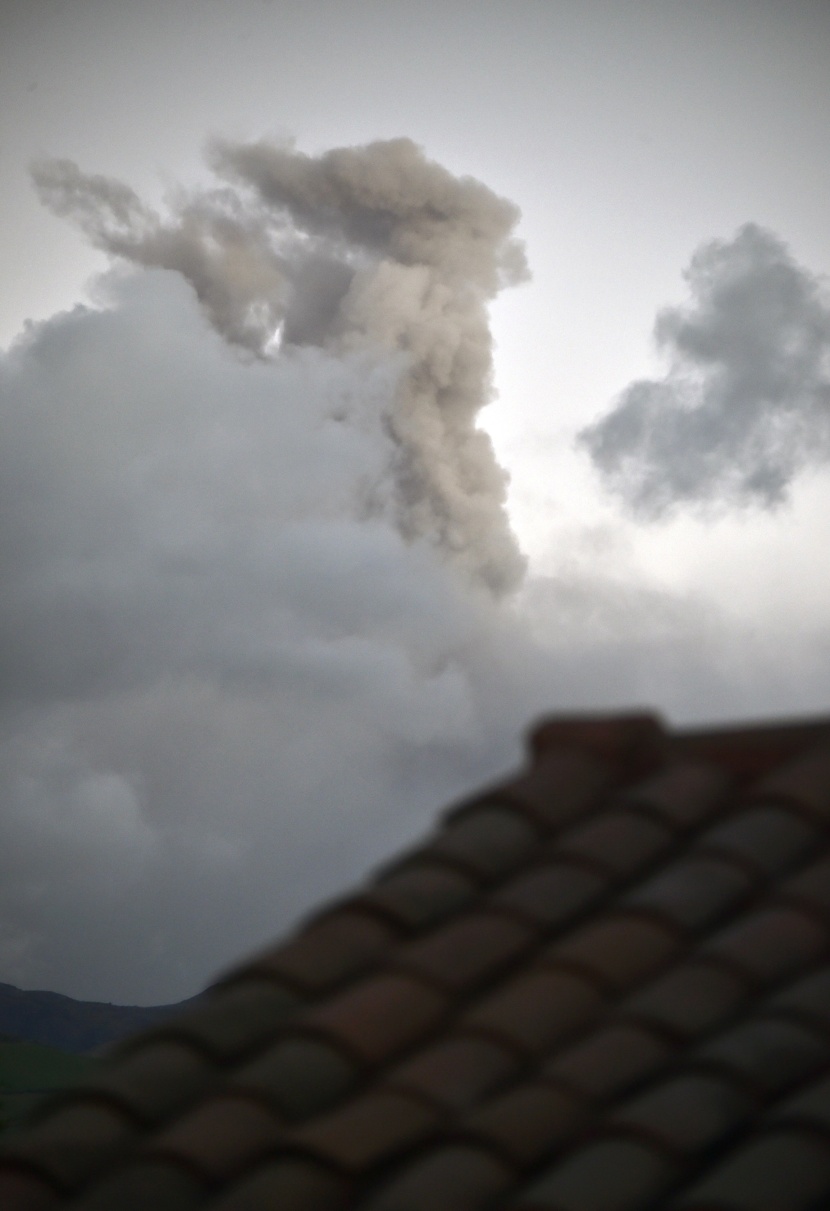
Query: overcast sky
{"x": 324, "y": 472}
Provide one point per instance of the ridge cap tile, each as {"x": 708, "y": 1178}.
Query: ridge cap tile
{"x": 558, "y": 788}
{"x": 633, "y": 742}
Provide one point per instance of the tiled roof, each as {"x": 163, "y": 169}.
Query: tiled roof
{"x": 601, "y": 985}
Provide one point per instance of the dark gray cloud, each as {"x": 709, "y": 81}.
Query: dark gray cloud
{"x": 374, "y": 250}
{"x": 745, "y": 404}
{"x": 228, "y": 688}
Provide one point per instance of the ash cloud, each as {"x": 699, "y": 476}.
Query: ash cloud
{"x": 745, "y": 404}
{"x": 370, "y": 251}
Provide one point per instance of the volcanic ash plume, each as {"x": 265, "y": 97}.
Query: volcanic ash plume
{"x": 359, "y": 251}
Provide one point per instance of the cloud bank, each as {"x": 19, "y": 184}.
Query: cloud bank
{"x": 745, "y": 404}
{"x": 227, "y": 688}
{"x": 372, "y": 251}
{"x": 240, "y": 664}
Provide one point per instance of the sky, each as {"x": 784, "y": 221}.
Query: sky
{"x": 374, "y": 379}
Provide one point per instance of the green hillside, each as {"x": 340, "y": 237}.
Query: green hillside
{"x": 66, "y": 1024}
{"x": 30, "y": 1070}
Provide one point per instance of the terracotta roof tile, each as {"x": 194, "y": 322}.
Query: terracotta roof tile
{"x": 618, "y": 950}
{"x": 559, "y": 787}
{"x": 809, "y": 998}
{"x": 767, "y": 838}
{"x": 803, "y": 783}
{"x": 233, "y": 1022}
{"x": 551, "y": 895}
{"x": 297, "y": 1076}
{"x": 220, "y": 1137}
{"x": 527, "y": 1123}
{"x": 370, "y": 1129}
{"x": 621, "y": 841}
{"x": 419, "y": 895}
{"x": 770, "y": 1054}
{"x": 778, "y": 1171}
{"x": 634, "y": 742}
{"x": 694, "y": 892}
{"x": 812, "y": 887}
{"x": 456, "y": 1072}
{"x": 21, "y": 1191}
{"x": 771, "y": 943}
{"x": 470, "y": 951}
{"x": 485, "y": 842}
{"x": 141, "y": 1185}
{"x": 692, "y": 998}
{"x": 288, "y": 1184}
{"x": 336, "y": 948}
{"x": 688, "y": 1112}
{"x": 380, "y": 1017}
{"x": 600, "y": 985}
{"x": 74, "y": 1142}
{"x": 155, "y": 1081}
{"x": 811, "y": 1106}
{"x": 453, "y": 1178}
{"x": 683, "y": 795}
{"x": 609, "y": 1175}
{"x": 536, "y": 1010}
{"x": 610, "y": 1060}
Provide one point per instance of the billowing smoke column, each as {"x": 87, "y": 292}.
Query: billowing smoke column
{"x": 745, "y": 405}
{"x": 359, "y": 251}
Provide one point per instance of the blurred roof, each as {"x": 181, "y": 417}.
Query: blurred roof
{"x": 600, "y": 985}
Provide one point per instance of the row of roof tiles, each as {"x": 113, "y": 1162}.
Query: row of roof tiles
{"x": 595, "y": 988}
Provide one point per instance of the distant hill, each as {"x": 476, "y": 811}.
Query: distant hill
{"x": 60, "y": 1022}
{"x": 28, "y": 1071}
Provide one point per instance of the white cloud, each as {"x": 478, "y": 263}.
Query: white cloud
{"x": 229, "y": 685}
